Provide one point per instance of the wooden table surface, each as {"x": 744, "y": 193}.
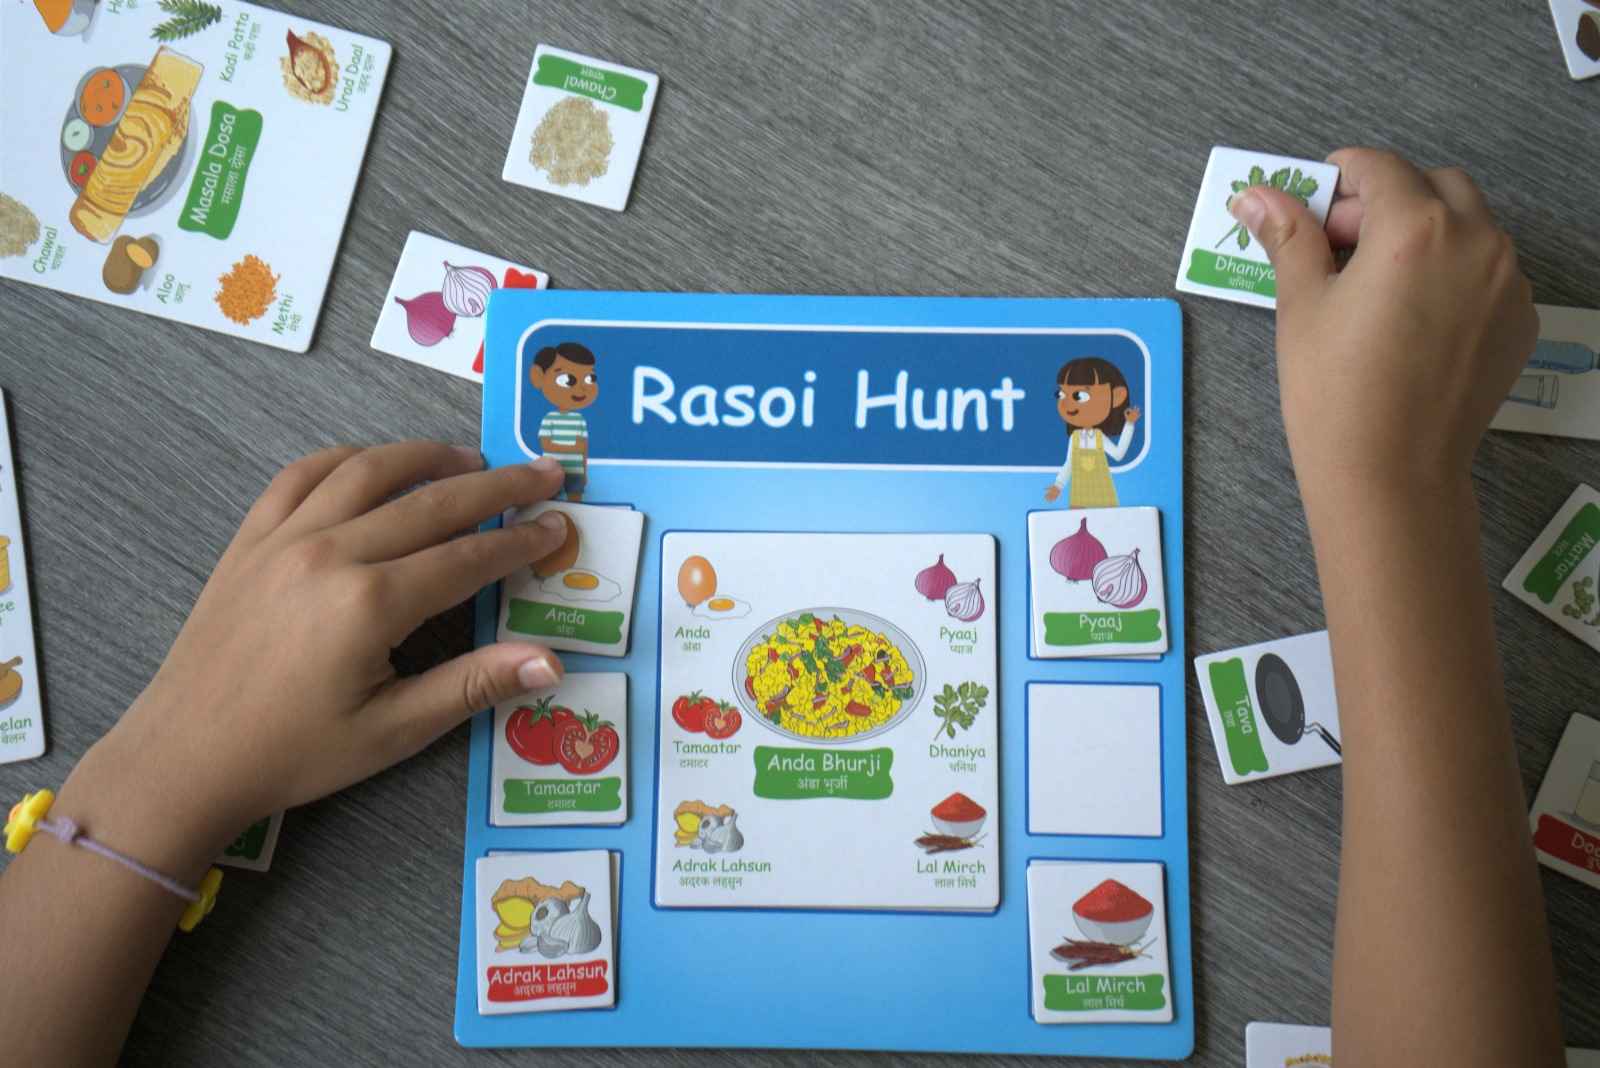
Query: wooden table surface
{"x": 861, "y": 147}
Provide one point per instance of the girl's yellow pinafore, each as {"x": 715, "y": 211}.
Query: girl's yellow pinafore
{"x": 1090, "y": 484}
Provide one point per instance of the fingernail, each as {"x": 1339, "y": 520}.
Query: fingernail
{"x": 539, "y": 672}
{"x": 554, "y": 522}
{"x": 545, "y": 464}
{"x": 1248, "y": 208}
{"x": 471, "y": 454}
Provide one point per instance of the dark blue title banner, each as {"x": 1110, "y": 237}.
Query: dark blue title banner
{"x": 791, "y": 395}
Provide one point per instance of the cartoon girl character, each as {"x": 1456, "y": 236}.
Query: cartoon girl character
{"x": 1092, "y": 399}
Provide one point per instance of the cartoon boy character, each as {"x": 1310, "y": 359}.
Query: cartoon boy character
{"x": 564, "y": 373}
{"x": 1092, "y": 399}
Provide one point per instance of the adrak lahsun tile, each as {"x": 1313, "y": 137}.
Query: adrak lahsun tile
{"x": 561, "y": 755}
{"x": 545, "y": 932}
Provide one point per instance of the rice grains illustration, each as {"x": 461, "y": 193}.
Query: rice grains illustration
{"x": 573, "y": 142}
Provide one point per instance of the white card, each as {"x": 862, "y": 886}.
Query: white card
{"x": 1578, "y": 26}
{"x": 21, "y": 698}
{"x": 254, "y": 847}
{"x": 1559, "y": 392}
{"x": 1560, "y": 572}
{"x": 1566, "y": 814}
{"x": 1094, "y": 759}
{"x": 1220, "y": 258}
{"x": 546, "y": 933}
{"x": 249, "y": 135}
{"x": 1272, "y": 707}
{"x": 1095, "y": 583}
{"x": 828, "y": 722}
{"x": 1119, "y": 908}
{"x": 581, "y": 127}
{"x": 1272, "y": 1045}
{"x": 580, "y": 598}
{"x": 434, "y": 312}
{"x": 561, "y": 755}
{"x": 1277, "y": 1045}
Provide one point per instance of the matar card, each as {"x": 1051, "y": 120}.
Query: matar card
{"x": 1559, "y": 573}
{"x": 1559, "y": 390}
{"x": 561, "y": 755}
{"x": 581, "y": 127}
{"x": 1578, "y": 27}
{"x": 1280, "y": 1045}
{"x": 192, "y": 161}
{"x": 580, "y": 597}
{"x": 1095, "y": 583}
{"x": 546, "y": 933}
{"x": 434, "y": 311}
{"x": 21, "y": 695}
{"x": 1272, "y": 707}
{"x": 1221, "y": 258}
{"x": 1097, "y": 942}
{"x": 1566, "y": 814}
{"x": 255, "y": 845}
{"x": 828, "y": 696}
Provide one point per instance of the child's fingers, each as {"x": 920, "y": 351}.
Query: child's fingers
{"x": 412, "y": 712}
{"x": 371, "y": 476}
{"x": 433, "y": 513}
{"x": 1344, "y": 222}
{"x": 1378, "y": 177}
{"x": 1456, "y": 188}
{"x": 289, "y": 489}
{"x": 1294, "y": 242}
{"x": 439, "y": 578}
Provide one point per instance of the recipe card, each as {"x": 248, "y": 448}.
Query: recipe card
{"x": 1566, "y": 814}
{"x": 21, "y": 699}
{"x": 828, "y": 733}
{"x": 194, "y": 162}
{"x": 1558, "y": 391}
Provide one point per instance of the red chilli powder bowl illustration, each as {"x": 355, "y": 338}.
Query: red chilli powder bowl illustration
{"x": 1111, "y": 912}
{"x": 959, "y": 815}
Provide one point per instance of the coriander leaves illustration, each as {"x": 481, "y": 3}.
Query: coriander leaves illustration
{"x": 1291, "y": 181}
{"x": 958, "y": 706}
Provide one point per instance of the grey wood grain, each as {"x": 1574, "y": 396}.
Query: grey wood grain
{"x": 846, "y": 147}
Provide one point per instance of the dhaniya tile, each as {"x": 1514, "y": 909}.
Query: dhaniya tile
{"x": 1097, "y": 938}
{"x": 581, "y": 127}
{"x": 254, "y": 847}
{"x": 1094, "y": 759}
{"x": 1566, "y": 814}
{"x": 434, "y": 311}
{"x": 1272, "y": 707}
{"x": 828, "y": 733}
{"x": 195, "y": 165}
{"x": 546, "y": 935}
{"x": 1559, "y": 390}
{"x": 21, "y": 696}
{"x": 1220, "y": 258}
{"x": 561, "y": 755}
{"x": 580, "y": 597}
{"x": 1559, "y": 573}
{"x": 1096, "y": 584}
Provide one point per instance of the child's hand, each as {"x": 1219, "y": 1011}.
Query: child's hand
{"x": 279, "y": 688}
{"x": 1391, "y": 368}
{"x": 1052, "y": 492}
{"x": 1131, "y": 415}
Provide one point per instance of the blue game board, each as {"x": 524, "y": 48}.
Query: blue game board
{"x": 809, "y": 428}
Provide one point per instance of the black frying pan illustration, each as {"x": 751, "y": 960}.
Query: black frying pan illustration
{"x": 1282, "y": 705}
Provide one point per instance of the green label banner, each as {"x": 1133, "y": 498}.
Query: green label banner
{"x": 1238, "y": 716}
{"x": 217, "y": 190}
{"x": 564, "y": 621}
{"x": 1097, "y": 628}
{"x": 799, "y": 774}
{"x": 598, "y": 83}
{"x": 251, "y": 841}
{"x": 1573, "y": 545}
{"x": 1096, "y": 993}
{"x": 1233, "y": 272}
{"x": 538, "y": 796}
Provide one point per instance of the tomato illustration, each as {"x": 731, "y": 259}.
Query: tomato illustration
{"x": 531, "y": 732}
{"x": 586, "y": 744}
{"x": 515, "y": 279}
{"x": 723, "y": 721}
{"x": 690, "y": 711}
